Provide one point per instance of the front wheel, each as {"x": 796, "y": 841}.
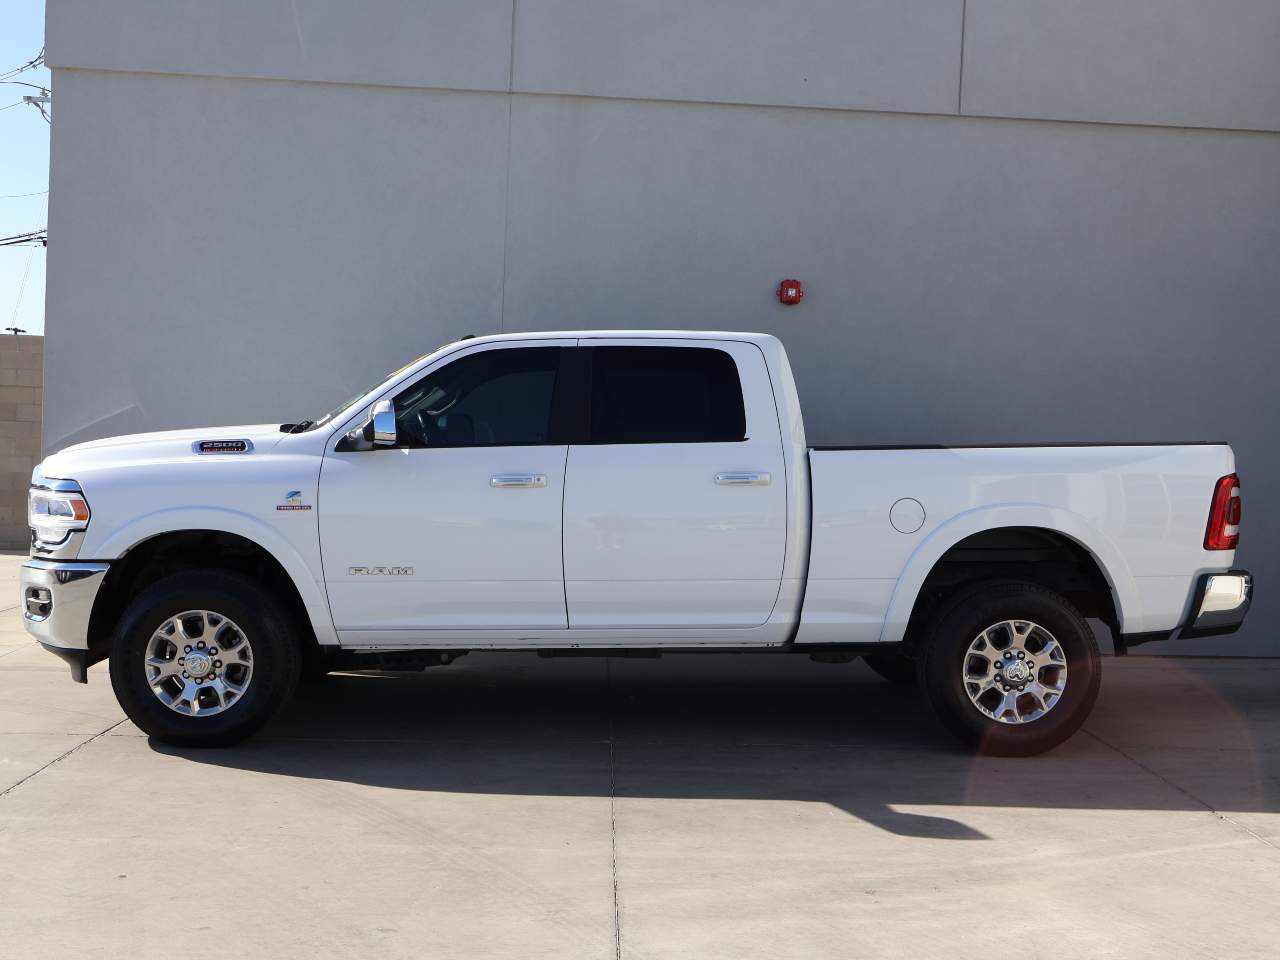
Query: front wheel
{"x": 1010, "y": 669}
{"x": 204, "y": 658}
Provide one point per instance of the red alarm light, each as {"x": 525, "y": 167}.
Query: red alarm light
{"x": 790, "y": 292}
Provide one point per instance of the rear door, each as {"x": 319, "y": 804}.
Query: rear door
{"x": 675, "y": 507}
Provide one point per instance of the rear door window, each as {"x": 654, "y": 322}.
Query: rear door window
{"x": 665, "y": 395}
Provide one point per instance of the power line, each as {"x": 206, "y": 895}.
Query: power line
{"x": 22, "y": 288}
{"x": 39, "y": 238}
{"x": 22, "y": 285}
{"x": 31, "y": 64}
{"x": 16, "y": 196}
{"x": 36, "y": 101}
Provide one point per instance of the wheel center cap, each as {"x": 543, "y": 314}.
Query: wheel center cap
{"x": 1017, "y": 672}
{"x": 198, "y": 664}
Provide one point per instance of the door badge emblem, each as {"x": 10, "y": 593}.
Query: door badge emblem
{"x": 293, "y": 501}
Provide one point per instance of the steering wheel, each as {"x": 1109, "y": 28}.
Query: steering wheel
{"x": 424, "y": 428}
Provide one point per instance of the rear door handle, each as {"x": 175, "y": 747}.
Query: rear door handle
{"x": 745, "y": 479}
{"x": 518, "y": 480}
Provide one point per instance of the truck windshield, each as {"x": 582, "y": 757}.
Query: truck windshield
{"x": 306, "y": 425}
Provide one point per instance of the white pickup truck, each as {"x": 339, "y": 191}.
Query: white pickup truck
{"x": 616, "y": 492}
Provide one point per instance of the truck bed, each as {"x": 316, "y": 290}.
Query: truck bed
{"x": 883, "y": 515}
{"x": 1009, "y": 446}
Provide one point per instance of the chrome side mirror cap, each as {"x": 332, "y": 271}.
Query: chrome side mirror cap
{"x": 384, "y": 423}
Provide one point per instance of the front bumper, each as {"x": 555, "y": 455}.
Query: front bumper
{"x": 1219, "y": 604}
{"x": 57, "y": 599}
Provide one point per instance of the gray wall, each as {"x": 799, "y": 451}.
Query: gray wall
{"x": 1017, "y": 220}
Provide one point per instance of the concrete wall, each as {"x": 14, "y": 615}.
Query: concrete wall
{"x": 1016, "y": 220}
{"x": 21, "y": 390}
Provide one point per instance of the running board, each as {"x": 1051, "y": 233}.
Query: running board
{"x": 391, "y": 660}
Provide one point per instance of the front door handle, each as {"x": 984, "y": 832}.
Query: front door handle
{"x": 743, "y": 479}
{"x": 504, "y": 480}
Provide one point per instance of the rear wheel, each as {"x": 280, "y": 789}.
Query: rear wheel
{"x": 1010, "y": 668}
{"x": 204, "y": 658}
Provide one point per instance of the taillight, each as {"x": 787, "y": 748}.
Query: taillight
{"x": 1224, "y": 515}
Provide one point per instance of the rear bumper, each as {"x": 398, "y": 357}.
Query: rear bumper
{"x": 57, "y": 599}
{"x": 1219, "y": 603}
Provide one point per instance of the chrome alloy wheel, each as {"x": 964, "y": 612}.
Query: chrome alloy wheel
{"x": 198, "y": 663}
{"x": 1015, "y": 671}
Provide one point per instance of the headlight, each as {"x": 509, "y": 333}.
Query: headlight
{"x": 56, "y": 508}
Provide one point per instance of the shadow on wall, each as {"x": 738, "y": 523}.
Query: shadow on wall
{"x": 116, "y": 423}
{"x": 761, "y": 727}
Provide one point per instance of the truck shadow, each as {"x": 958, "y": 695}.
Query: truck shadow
{"x": 1166, "y": 735}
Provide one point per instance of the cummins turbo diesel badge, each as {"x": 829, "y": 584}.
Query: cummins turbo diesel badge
{"x": 293, "y": 501}
{"x": 222, "y": 446}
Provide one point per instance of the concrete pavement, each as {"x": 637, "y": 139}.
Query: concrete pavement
{"x": 705, "y": 807}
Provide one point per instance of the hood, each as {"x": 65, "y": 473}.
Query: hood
{"x": 165, "y": 445}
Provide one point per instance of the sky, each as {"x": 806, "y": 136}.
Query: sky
{"x": 24, "y": 166}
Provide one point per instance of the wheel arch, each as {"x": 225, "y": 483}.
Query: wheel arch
{"x": 985, "y": 540}
{"x": 147, "y": 551}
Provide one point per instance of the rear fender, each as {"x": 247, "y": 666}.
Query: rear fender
{"x": 922, "y": 561}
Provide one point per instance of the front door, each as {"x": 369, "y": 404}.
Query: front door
{"x": 458, "y": 526}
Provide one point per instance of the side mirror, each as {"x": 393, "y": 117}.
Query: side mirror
{"x": 384, "y": 423}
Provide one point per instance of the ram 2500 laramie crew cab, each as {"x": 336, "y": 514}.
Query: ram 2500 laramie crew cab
{"x": 606, "y": 492}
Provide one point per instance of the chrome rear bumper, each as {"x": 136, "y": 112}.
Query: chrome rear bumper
{"x": 1219, "y": 604}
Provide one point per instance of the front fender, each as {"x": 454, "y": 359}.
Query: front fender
{"x": 922, "y": 561}
{"x": 177, "y": 520}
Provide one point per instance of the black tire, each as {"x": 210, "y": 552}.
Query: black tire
{"x": 269, "y": 630}
{"x": 946, "y": 645}
{"x": 894, "y": 667}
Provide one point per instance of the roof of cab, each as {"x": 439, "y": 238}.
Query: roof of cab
{"x": 623, "y": 335}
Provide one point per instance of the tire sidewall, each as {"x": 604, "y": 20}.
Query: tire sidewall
{"x": 265, "y": 626}
{"x": 956, "y": 628}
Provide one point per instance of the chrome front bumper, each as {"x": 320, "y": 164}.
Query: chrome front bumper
{"x": 57, "y": 598}
{"x": 1219, "y": 604}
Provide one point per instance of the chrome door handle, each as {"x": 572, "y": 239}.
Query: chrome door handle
{"x": 518, "y": 480}
{"x": 744, "y": 479}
